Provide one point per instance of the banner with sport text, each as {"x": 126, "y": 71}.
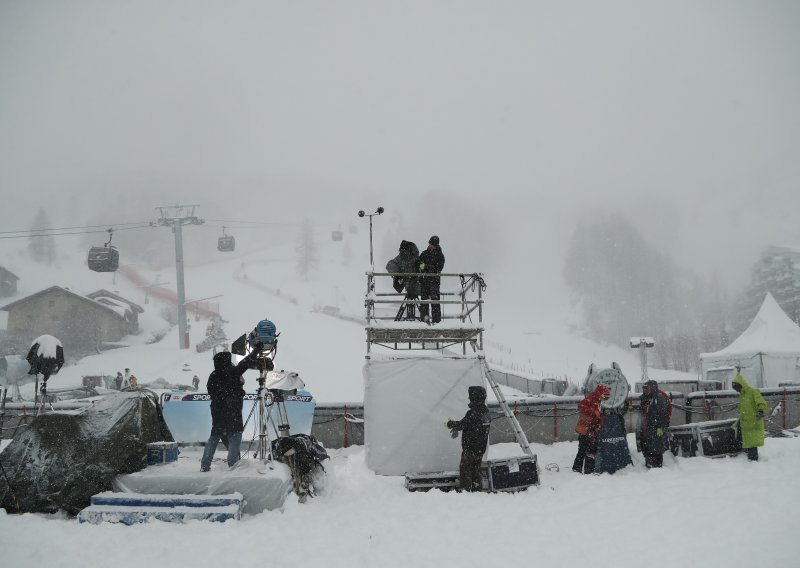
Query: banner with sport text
{"x": 188, "y": 415}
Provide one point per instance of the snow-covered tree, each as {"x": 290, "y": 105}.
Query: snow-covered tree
{"x": 42, "y": 248}
{"x": 306, "y": 249}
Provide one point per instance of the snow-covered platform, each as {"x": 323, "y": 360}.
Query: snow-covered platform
{"x": 419, "y": 332}
{"x": 263, "y": 487}
{"x": 135, "y": 508}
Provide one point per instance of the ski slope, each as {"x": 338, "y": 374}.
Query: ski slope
{"x": 526, "y": 332}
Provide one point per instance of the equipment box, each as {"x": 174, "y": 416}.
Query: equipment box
{"x": 509, "y": 474}
{"x": 162, "y": 452}
{"x": 444, "y": 480}
{"x": 711, "y": 439}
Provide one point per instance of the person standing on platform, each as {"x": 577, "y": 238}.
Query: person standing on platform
{"x": 226, "y": 390}
{"x": 474, "y": 438}
{"x": 752, "y": 410}
{"x": 431, "y": 261}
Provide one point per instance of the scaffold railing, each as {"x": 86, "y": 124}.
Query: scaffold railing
{"x": 395, "y": 318}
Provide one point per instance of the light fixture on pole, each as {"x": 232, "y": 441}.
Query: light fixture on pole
{"x": 361, "y": 213}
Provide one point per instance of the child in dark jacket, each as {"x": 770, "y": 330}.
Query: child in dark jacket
{"x": 474, "y": 439}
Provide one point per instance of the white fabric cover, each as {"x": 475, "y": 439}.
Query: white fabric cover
{"x": 406, "y": 404}
{"x": 768, "y": 350}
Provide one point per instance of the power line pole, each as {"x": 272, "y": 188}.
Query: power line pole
{"x": 176, "y": 216}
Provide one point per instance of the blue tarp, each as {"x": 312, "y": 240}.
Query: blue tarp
{"x": 612, "y": 445}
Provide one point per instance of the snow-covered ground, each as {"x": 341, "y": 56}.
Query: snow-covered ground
{"x": 693, "y": 512}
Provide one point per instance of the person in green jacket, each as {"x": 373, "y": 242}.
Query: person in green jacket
{"x": 752, "y": 409}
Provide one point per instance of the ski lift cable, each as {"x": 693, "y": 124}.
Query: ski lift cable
{"x": 70, "y": 233}
{"x": 143, "y": 223}
{"x": 249, "y": 222}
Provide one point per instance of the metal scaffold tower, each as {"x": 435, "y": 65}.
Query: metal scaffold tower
{"x": 393, "y": 323}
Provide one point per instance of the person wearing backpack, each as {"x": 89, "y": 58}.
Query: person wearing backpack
{"x": 590, "y": 420}
{"x": 752, "y": 410}
{"x": 406, "y": 263}
{"x": 652, "y": 439}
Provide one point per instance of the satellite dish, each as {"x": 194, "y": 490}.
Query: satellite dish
{"x": 615, "y": 381}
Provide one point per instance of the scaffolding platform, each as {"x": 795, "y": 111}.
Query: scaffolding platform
{"x": 393, "y": 318}
{"x": 422, "y": 335}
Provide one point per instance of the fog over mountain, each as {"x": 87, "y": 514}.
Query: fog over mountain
{"x": 494, "y": 125}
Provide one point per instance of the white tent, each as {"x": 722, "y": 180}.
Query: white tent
{"x": 768, "y": 351}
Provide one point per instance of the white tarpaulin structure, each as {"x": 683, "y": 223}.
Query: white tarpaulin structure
{"x": 406, "y": 404}
{"x": 768, "y": 351}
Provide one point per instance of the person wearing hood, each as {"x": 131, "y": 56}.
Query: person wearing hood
{"x": 226, "y": 390}
{"x": 652, "y": 439}
{"x": 431, "y": 261}
{"x": 406, "y": 263}
{"x": 752, "y": 410}
{"x": 474, "y": 438}
{"x": 590, "y": 419}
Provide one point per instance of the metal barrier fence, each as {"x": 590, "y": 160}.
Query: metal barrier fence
{"x": 544, "y": 420}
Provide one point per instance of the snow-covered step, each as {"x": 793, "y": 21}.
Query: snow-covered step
{"x": 133, "y": 508}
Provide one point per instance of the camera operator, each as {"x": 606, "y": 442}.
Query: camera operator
{"x": 225, "y": 388}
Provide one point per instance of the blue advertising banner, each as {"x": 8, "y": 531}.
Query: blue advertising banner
{"x": 188, "y": 415}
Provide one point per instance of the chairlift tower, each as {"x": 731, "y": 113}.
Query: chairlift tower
{"x": 176, "y": 216}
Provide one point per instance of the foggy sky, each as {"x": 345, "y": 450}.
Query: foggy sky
{"x": 682, "y": 114}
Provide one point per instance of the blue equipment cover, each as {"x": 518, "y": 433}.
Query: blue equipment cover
{"x": 265, "y": 332}
{"x": 612, "y": 445}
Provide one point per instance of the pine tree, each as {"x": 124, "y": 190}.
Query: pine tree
{"x": 41, "y": 248}
{"x": 306, "y": 250}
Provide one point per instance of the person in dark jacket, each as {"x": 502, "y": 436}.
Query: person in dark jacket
{"x": 431, "y": 261}
{"x": 652, "y": 435}
{"x": 590, "y": 418}
{"x": 225, "y": 388}
{"x": 406, "y": 263}
{"x": 474, "y": 438}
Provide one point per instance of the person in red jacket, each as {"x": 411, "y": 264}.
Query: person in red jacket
{"x": 589, "y": 422}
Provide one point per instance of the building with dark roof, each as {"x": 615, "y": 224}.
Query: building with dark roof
{"x": 8, "y": 283}
{"x": 81, "y": 323}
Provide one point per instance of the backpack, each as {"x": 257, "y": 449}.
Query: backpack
{"x": 669, "y": 405}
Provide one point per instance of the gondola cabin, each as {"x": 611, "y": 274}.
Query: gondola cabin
{"x": 103, "y": 259}
{"x": 226, "y": 243}
{"x": 337, "y": 235}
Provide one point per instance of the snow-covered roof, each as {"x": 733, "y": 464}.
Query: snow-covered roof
{"x": 771, "y": 331}
{"x": 59, "y": 289}
{"x": 8, "y": 273}
{"x": 103, "y": 293}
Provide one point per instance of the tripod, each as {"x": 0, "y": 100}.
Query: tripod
{"x": 408, "y": 306}
{"x": 262, "y": 407}
{"x": 40, "y": 405}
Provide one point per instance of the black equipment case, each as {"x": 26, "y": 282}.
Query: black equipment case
{"x": 711, "y": 439}
{"x": 509, "y": 474}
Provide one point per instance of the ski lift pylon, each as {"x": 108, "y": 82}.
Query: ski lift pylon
{"x": 104, "y": 258}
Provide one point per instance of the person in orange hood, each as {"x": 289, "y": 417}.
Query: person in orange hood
{"x": 589, "y": 422}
